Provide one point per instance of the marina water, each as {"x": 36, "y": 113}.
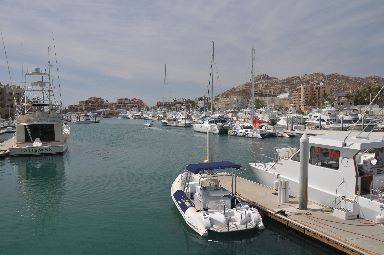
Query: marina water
{"x": 110, "y": 194}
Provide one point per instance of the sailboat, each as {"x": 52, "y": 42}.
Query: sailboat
{"x": 205, "y": 205}
{"x": 218, "y": 122}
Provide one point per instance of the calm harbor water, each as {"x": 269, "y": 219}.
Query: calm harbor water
{"x": 110, "y": 194}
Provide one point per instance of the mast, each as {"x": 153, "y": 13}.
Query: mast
{"x": 49, "y": 78}
{"x": 253, "y": 88}
{"x": 165, "y": 81}
{"x": 213, "y": 60}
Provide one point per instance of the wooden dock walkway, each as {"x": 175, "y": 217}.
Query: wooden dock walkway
{"x": 357, "y": 236}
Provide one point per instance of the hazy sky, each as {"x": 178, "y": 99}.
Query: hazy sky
{"x": 118, "y": 48}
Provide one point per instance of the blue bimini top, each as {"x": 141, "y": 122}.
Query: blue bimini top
{"x": 196, "y": 168}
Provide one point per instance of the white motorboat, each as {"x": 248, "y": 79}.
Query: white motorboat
{"x": 218, "y": 122}
{"x": 346, "y": 172}
{"x": 148, "y": 122}
{"x": 207, "y": 206}
{"x": 246, "y": 130}
{"x": 39, "y": 125}
{"x": 181, "y": 120}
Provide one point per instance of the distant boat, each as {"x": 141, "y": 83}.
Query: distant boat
{"x": 148, "y": 122}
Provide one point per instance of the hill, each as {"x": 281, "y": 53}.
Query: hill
{"x": 239, "y": 96}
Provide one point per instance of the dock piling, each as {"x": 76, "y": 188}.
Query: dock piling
{"x": 303, "y": 178}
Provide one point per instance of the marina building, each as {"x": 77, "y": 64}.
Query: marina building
{"x": 306, "y": 97}
{"x": 94, "y": 104}
{"x": 9, "y": 96}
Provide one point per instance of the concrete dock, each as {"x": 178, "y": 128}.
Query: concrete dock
{"x": 5, "y": 145}
{"x": 357, "y": 236}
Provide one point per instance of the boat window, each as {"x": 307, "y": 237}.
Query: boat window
{"x": 324, "y": 157}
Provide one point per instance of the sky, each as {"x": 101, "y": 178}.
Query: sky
{"x": 118, "y": 48}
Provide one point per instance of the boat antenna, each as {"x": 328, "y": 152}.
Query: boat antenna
{"x": 253, "y": 88}
{"x": 368, "y": 106}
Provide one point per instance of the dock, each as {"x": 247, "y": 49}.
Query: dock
{"x": 5, "y": 145}
{"x": 357, "y": 236}
{"x": 315, "y": 132}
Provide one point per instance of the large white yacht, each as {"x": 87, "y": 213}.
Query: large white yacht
{"x": 218, "y": 122}
{"x": 207, "y": 206}
{"x": 346, "y": 172}
{"x": 39, "y": 125}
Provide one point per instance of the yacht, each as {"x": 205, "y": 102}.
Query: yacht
{"x": 218, "y": 122}
{"x": 206, "y": 206}
{"x": 345, "y": 172}
{"x": 39, "y": 125}
{"x": 181, "y": 120}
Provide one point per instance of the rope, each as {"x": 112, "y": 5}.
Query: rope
{"x": 57, "y": 72}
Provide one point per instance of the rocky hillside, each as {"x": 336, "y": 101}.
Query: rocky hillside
{"x": 239, "y": 95}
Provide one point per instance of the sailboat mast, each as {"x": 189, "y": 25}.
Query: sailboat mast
{"x": 253, "y": 88}
{"x": 165, "y": 81}
{"x": 213, "y": 60}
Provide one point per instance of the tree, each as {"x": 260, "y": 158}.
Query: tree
{"x": 259, "y": 103}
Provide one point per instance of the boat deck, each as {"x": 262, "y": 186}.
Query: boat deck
{"x": 351, "y": 236}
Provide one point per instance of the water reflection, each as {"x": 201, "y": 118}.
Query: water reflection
{"x": 41, "y": 182}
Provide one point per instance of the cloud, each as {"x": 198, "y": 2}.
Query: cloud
{"x": 119, "y": 48}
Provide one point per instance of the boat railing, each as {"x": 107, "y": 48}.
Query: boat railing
{"x": 338, "y": 198}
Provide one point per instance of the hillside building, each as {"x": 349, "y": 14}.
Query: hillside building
{"x": 306, "y": 97}
{"x": 10, "y": 95}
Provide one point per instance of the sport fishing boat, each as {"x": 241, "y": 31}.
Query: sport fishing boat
{"x": 345, "y": 172}
{"x": 207, "y": 206}
{"x": 40, "y": 128}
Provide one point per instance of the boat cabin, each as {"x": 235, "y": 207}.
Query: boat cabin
{"x": 204, "y": 189}
{"x": 340, "y": 167}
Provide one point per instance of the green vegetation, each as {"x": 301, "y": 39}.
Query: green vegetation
{"x": 364, "y": 96}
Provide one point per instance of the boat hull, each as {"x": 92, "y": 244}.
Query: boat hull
{"x": 38, "y": 150}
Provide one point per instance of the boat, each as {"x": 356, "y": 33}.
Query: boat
{"x": 345, "y": 172}
{"x": 181, "y": 120}
{"x": 40, "y": 128}
{"x": 147, "y": 122}
{"x": 206, "y": 206}
{"x": 245, "y": 129}
{"x": 218, "y": 122}
{"x": 84, "y": 119}
{"x": 124, "y": 116}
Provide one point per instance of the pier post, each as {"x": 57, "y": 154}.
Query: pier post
{"x": 291, "y": 123}
{"x": 303, "y": 178}
{"x": 287, "y": 122}
{"x": 209, "y": 144}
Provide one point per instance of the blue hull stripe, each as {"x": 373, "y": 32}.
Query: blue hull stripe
{"x": 180, "y": 198}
